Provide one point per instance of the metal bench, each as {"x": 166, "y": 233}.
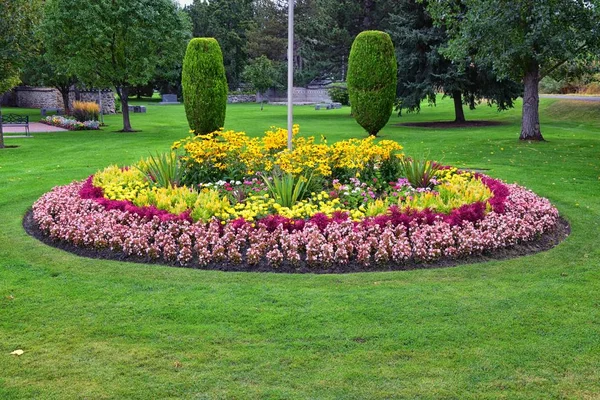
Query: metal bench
{"x": 15, "y": 120}
{"x": 59, "y": 111}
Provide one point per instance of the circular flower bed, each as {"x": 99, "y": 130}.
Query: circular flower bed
{"x": 227, "y": 201}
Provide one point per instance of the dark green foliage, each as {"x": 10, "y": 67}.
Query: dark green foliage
{"x": 204, "y": 85}
{"x": 423, "y": 71}
{"x": 372, "y": 79}
{"x": 339, "y": 94}
{"x": 143, "y": 90}
{"x": 228, "y": 22}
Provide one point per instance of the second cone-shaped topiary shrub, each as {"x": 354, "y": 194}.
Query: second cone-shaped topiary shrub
{"x": 204, "y": 85}
{"x": 372, "y": 78}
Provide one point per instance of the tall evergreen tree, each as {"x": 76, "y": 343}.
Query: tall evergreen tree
{"x": 423, "y": 71}
{"x": 228, "y": 21}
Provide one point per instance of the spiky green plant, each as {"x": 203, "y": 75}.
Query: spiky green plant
{"x": 287, "y": 189}
{"x": 162, "y": 170}
{"x": 419, "y": 172}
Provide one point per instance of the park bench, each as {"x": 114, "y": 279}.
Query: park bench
{"x": 328, "y": 106}
{"x": 59, "y": 111}
{"x": 16, "y": 120}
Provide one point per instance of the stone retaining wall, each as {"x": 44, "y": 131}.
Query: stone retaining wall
{"x": 241, "y": 98}
{"x": 108, "y": 99}
{"x": 43, "y": 97}
{"x": 38, "y": 97}
{"x": 301, "y": 95}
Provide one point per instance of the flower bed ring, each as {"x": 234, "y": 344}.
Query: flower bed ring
{"x": 78, "y": 218}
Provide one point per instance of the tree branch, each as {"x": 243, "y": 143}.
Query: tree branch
{"x": 555, "y": 66}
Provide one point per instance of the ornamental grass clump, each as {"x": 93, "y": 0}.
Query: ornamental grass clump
{"x": 85, "y": 111}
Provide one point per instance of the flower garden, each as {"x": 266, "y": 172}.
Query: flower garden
{"x": 84, "y": 116}
{"x": 70, "y": 123}
{"x": 228, "y": 201}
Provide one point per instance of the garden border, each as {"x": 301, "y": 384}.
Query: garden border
{"x": 546, "y": 242}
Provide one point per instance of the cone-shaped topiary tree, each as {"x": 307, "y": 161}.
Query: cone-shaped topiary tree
{"x": 372, "y": 79}
{"x": 204, "y": 85}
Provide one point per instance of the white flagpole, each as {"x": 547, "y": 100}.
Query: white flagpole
{"x": 290, "y": 71}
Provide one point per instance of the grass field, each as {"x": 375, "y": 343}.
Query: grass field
{"x": 525, "y": 328}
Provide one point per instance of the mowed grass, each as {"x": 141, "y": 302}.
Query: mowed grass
{"x": 526, "y": 328}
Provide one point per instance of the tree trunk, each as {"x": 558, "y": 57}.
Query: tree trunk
{"x": 1, "y": 130}
{"x": 530, "y": 122}
{"x": 64, "y": 92}
{"x": 459, "y": 113}
{"x": 124, "y": 95}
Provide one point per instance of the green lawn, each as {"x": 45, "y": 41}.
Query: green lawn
{"x": 526, "y": 328}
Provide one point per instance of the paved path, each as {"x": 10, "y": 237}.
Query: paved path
{"x": 33, "y": 128}
{"x": 570, "y": 97}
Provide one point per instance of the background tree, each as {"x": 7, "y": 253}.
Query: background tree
{"x": 204, "y": 86}
{"x": 423, "y": 71}
{"x": 259, "y": 73}
{"x": 40, "y": 71}
{"x": 267, "y": 34}
{"x": 522, "y": 39}
{"x": 372, "y": 79}
{"x": 326, "y": 30}
{"x": 17, "y": 26}
{"x": 124, "y": 46}
{"x": 227, "y": 21}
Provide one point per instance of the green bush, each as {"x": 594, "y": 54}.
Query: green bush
{"x": 339, "y": 94}
{"x": 372, "y": 79}
{"x": 204, "y": 85}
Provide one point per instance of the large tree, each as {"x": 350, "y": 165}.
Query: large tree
{"x": 227, "y": 21}
{"x": 118, "y": 43}
{"x": 522, "y": 39}
{"x": 423, "y": 72}
{"x": 17, "y": 25}
{"x": 41, "y": 71}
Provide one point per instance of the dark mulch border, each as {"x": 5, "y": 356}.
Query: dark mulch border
{"x": 545, "y": 242}
{"x": 452, "y": 124}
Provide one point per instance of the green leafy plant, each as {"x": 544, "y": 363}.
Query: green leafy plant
{"x": 419, "y": 172}
{"x": 287, "y": 189}
{"x": 339, "y": 94}
{"x": 372, "y": 79}
{"x": 162, "y": 170}
{"x": 204, "y": 86}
